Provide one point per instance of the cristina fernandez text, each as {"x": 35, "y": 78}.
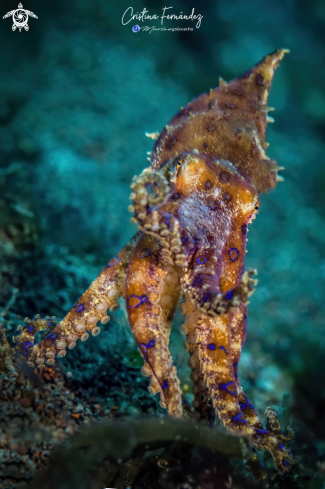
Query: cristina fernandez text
{"x": 128, "y": 16}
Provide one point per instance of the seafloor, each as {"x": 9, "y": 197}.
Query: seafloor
{"x": 78, "y": 92}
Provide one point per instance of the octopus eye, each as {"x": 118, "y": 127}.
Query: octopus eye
{"x": 179, "y": 163}
{"x": 257, "y": 207}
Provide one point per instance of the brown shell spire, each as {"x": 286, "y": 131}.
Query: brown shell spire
{"x": 228, "y": 123}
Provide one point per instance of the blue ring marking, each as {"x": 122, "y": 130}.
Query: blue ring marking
{"x": 261, "y": 431}
{"x": 49, "y": 324}
{"x": 144, "y": 253}
{"x": 242, "y": 406}
{"x": 141, "y": 299}
{"x": 224, "y": 387}
{"x": 149, "y": 345}
{"x": 208, "y": 184}
{"x": 230, "y": 252}
{"x": 136, "y": 28}
{"x": 165, "y": 384}
{"x": 30, "y": 329}
{"x": 223, "y": 348}
{"x": 285, "y": 463}
{"x": 249, "y": 404}
{"x": 26, "y": 345}
{"x": 52, "y": 336}
{"x": 244, "y": 228}
{"x": 229, "y": 295}
{"x": 281, "y": 447}
{"x": 205, "y": 232}
{"x": 205, "y": 297}
{"x": 175, "y": 196}
{"x": 224, "y": 176}
{"x": 227, "y": 196}
{"x": 212, "y": 205}
{"x": 202, "y": 262}
{"x": 240, "y": 417}
{"x": 80, "y": 308}
{"x": 205, "y": 145}
{"x": 211, "y": 346}
{"x": 245, "y": 324}
{"x": 197, "y": 280}
{"x": 184, "y": 239}
{"x": 115, "y": 260}
{"x": 235, "y": 369}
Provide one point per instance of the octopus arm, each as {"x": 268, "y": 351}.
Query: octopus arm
{"x": 152, "y": 293}
{"x": 82, "y": 317}
{"x": 209, "y": 341}
{"x": 238, "y": 336}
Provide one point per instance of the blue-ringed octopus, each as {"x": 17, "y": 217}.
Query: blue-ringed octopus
{"x": 192, "y": 205}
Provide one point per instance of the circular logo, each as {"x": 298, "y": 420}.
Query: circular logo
{"x": 20, "y": 18}
{"x": 136, "y": 28}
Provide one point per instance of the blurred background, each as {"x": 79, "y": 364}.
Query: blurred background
{"x": 77, "y": 94}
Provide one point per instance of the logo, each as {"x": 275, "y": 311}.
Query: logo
{"x": 167, "y": 20}
{"x": 20, "y": 18}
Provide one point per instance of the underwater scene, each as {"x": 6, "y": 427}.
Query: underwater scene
{"x": 145, "y": 342}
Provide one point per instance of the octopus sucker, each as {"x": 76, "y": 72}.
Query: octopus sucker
{"x": 192, "y": 206}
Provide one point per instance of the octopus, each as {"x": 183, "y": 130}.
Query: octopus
{"x": 192, "y": 205}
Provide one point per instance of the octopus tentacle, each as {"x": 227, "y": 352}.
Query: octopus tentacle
{"x": 152, "y": 293}
{"x": 214, "y": 351}
{"x": 202, "y": 400}
{"x": 238, "y": 322}
{"x": 274, "y": 426}
{"x": 82, "y": 317}
{"x": 238, "y": 336}
{"x": 155, "y": 217}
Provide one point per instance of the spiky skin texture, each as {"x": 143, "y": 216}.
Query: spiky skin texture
{"x": 208, "y": 168}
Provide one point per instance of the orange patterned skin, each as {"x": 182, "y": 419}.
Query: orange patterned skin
{"x": 192, "y": 206}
